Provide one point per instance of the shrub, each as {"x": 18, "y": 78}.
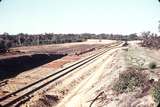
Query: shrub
{"x": 125, "y": 43}
{"x": 152, "y": 65}
{"x": 129, "y": 80}
{"x": 150, "y": 40}
{"x": 155, "y": 91}
{"x": 4, "y": 45}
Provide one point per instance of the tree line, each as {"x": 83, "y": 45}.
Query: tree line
{"x": 7, "y": 41}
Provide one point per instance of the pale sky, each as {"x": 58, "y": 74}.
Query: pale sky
{"x": 79, "y": 16}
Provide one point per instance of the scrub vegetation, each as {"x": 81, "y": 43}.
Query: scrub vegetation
{"x": 129, "y": 80}
{"x": 155, "y": 91}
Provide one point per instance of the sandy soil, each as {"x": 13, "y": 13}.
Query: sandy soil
{"x": 55, "y": 47}
{"x": 65, "y": 48}
{"x": 67, "y": 85}
{"x": 91, "y": 86}
{"x": 35, "y": 74}
{"x": 81, "y": 95}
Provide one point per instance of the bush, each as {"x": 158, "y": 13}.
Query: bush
{"x": 125, "y": 43}
{"x": 4, "y": 45}
{"x": 152, "y": 65}
{"x": 155, "y": 91}
{"x": 150, "y": 40}
{"x": 129, "y": 80}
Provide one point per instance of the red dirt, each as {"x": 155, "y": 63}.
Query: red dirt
{"x": 59, "y": 63}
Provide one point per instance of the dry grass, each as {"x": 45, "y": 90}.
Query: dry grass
{"x": 155, "y": 91}
{"x": 150, "y": 40}
{"x": 129, "y": 80}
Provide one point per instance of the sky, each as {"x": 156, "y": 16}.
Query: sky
{"x": 79, "y": 16}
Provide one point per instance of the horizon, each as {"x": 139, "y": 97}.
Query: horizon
{"x": 77, "y": 17}
{"x": 6, "y": 33}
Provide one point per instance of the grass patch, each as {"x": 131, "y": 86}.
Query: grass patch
{"x": 129, "y": 80}
{"x": 155, "y": 91}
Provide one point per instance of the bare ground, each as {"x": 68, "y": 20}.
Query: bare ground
{"x": 27, "y": 77}
{"x": 91, "y": 86}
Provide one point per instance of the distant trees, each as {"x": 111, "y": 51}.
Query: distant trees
{"x": 133, "y": 36}
{"x": 150, "y": 40}
{"x": 110, "y": 36}
{"x": 4, "y": 45}
{"x": 21, "y": 39}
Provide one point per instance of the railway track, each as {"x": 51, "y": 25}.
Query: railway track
{"x": 2, "y": 83}
{"x": 20, "y": 96}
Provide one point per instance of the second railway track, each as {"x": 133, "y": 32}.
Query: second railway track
{"x": 26, "y": 92}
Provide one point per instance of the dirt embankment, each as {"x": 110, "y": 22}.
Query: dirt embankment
{"x": 74, "y": 85}
{"x": 38, "y": 63}
{"x": 92, "y": 86}
{"x": 133, "y": 57}
{"x": 11, "y": 67}
{"x": 21, "y": 59}
{"x": 76, "y": 52}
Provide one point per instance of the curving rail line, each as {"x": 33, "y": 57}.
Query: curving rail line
{"x": 23, "y": 94}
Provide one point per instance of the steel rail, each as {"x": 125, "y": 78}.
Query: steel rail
{"x": 25, "y": 92}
